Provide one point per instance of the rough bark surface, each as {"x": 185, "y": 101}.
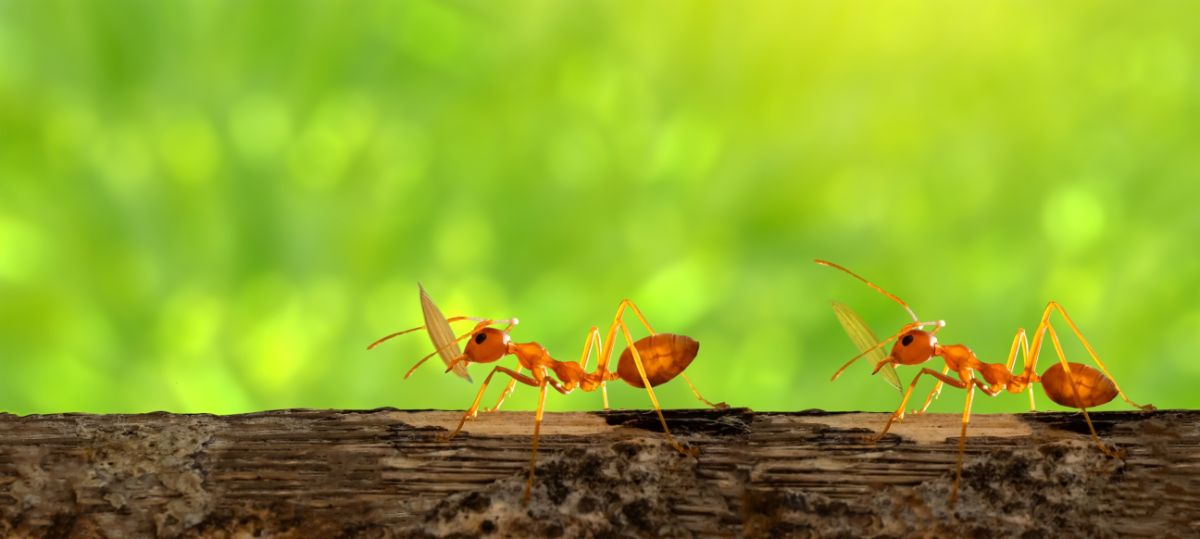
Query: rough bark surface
{"x": 388, "y": 473}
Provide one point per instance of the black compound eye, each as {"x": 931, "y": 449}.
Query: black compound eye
{"x": 480, "y": 338}
{"x": 907, "y": 340}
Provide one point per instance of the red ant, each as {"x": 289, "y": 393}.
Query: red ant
{"x": 648, "y": 362}
{"x": 1069, "y": 384}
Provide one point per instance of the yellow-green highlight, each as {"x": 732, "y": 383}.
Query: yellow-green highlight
{"x": 215, "y": 206}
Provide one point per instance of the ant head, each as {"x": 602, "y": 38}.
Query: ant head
{"x": 913, "y": 347}
{"x": 487, "y": 345}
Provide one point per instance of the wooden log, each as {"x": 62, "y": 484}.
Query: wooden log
{"x": 388, "y": 473}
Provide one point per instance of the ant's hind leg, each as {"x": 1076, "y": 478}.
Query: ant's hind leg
{"x": 694, "y": 391}
{"x": 636, "y": 312}
{"x": 641, "y": 318}
{"x": 637, "y": 361}
{"x": 1075, "y": 389}
{"x": 1090, "y": 351}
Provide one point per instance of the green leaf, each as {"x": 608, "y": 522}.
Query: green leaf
{"x": 864, "y": 339}
{"x": 441, "y": 335}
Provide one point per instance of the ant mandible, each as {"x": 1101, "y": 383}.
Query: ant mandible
{"x": 1069, "y": 384}
{"x": 648, "y": 362}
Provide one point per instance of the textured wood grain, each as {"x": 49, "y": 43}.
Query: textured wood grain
{"x": 388, "y": 473}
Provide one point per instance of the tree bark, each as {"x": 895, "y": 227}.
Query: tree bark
{"x": 388, "y": 473}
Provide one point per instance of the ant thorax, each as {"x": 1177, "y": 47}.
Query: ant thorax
{"x": 531, "y": 355}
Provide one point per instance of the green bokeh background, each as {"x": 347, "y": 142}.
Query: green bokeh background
{"x": 214, "y": 206}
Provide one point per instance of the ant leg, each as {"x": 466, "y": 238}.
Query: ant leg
{"x": 593, "y": 340}
{"x": 985, "y": 389}
{"x": 637, "y": 361}
{"x": 512, "y": 384}
{"x": 719, "y": 405}
{"x": 610, "y": 339}
{"x": 606, "y": 355}
{"x": 1021, "y": 343}
{"x": 962, "y": 441}
{"x": 638, "y": 313}
{"x": 508, "y": 389}
{"x": 1025, "y": 359}
{"x": 607, "y": 348}
{"x": 937, "y": 391}
{"x": 479, "y": 396}
{"x": 1091, "y": 352}
{"x": 1074, "y": 389}
{"x": 537, "y": 428}
{"x": 899, "y": 414}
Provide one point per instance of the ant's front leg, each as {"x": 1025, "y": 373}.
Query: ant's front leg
{"x": 508, "y": 389}
{"x": 471, "y": 412}
{"x": 933, "y": 394}
{"x": 898, "y": 415}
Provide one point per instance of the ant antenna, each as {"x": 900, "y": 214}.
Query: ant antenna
{"x": 438, "y": 351}
{"x": 870, "y": 284}
{"x": 865, "y": 352}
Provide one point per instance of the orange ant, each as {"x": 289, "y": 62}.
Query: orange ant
{"x": 1069, "y": 384}
{"x": 648, "y": 362}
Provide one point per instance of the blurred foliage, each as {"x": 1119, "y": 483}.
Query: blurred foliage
{"x": 214, "y": 206}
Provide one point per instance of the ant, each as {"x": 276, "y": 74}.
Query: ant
{"x": 648, "y": 362}
{"x": 1069, "y": 384}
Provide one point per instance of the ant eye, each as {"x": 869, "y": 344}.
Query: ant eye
{"x": 480, "y": 338}
{"x": 907, "y": 340}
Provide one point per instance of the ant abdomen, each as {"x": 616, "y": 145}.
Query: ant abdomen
{"x": 1091, "y": 388}
{"x": 664, "y": 356}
